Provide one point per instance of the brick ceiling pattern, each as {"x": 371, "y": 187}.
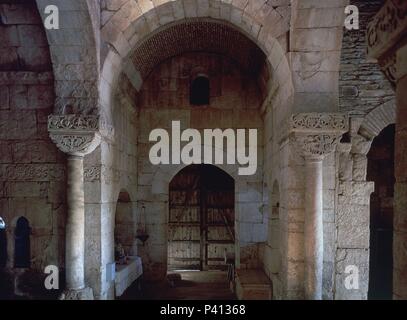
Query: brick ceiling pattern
{"x": 198, "y": 36}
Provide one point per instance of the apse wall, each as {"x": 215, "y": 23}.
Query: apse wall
{"x": 234, "y": 103}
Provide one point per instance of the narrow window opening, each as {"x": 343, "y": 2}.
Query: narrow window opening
{"x": 22, "y": 244}
{"x": 199, "y": 92}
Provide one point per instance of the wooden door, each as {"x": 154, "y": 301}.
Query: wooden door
{"x": 201, "y": 218}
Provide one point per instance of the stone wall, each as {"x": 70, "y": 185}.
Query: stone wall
{"x": 387, "y": 31}
{"x": 125, "y": 225}
{"x": 110, "y": 169}
{"x": 234, "y": 104}
{"x": 284, "y": 253}
{"x": 32, "y": 170}
{"x": 368, "y": 97}
{"x": 353, "y": 199}
{"x": 352, "y": 215}
{"x": 362, "y": 84}
{"x": 272, "y": 254}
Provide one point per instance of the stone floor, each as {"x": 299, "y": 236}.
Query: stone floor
{"x": 187, "y": 285}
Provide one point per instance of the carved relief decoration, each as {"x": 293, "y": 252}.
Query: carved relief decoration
{"x": 315, "y": 146}
{"x": 385, "y": 33}
{"x": 389, "y": 24}
{"x": 315, "y": 135}
{"x": 107, "y": 175}
{"x": 32, "y": 172}
{"x": 319, "y": 121}
{"x": 73, "y": 122}
{"x": 91, "y": 174}
{"x": 74, "y": 134}
{"x": 73, "y": 144}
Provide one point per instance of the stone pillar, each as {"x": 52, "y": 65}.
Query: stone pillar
{"x": 313, "y": 232}
{"x": 386, "y": 37}
{"x": 76, "y": 136}
{"x": 75, "y": 224}
{"x": 314, "y": 135}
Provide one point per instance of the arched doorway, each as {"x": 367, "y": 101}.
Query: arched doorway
{"x": 201, "y": 218}
{"x": 381, "y": 171}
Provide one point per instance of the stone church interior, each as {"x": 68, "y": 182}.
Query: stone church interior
{"x": 85, "y": 212}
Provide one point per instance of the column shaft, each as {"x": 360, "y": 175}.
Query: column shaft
{"x": 75, "y": 226}
{"x": 313, "y": 230}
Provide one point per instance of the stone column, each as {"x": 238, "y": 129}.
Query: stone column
{"x": 313, "y": 232}
{"x": 315, "y": 135}
{"x": 76, "y": 136}
{"x": 386, "y": 37}
{"x": 75, "y": 224}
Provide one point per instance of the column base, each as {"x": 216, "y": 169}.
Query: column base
{"x": 81, "y": 294}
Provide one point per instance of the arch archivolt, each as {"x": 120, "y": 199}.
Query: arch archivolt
{"x": 378, "y": 119}
{"x": 81, "y": 87}
{"x": 354, "y": 189}
{"x": 130, "y": 25}
{"x": 74, "y": 56}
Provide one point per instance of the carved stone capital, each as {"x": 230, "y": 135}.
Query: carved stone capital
{"x": 387, "y": 27}
{"x": 315, "y": 135}
{"x": 319, "y": 122}
{"x": 385, "y": 33}
{"x": 76, "y": 135}
{"x": 315, "y": 146}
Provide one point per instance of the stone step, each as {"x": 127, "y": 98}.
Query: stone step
{"x": 253, "y": 284}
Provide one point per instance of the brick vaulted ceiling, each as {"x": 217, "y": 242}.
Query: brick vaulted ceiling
{"x": 194, "y": 35}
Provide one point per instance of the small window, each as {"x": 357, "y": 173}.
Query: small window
{"x": 199, "y": 93}
{"x": 3, "y": 243}
{"x": 22, "y": 244}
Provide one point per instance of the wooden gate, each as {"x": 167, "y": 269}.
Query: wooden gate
{"x": 201, "y": 218}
